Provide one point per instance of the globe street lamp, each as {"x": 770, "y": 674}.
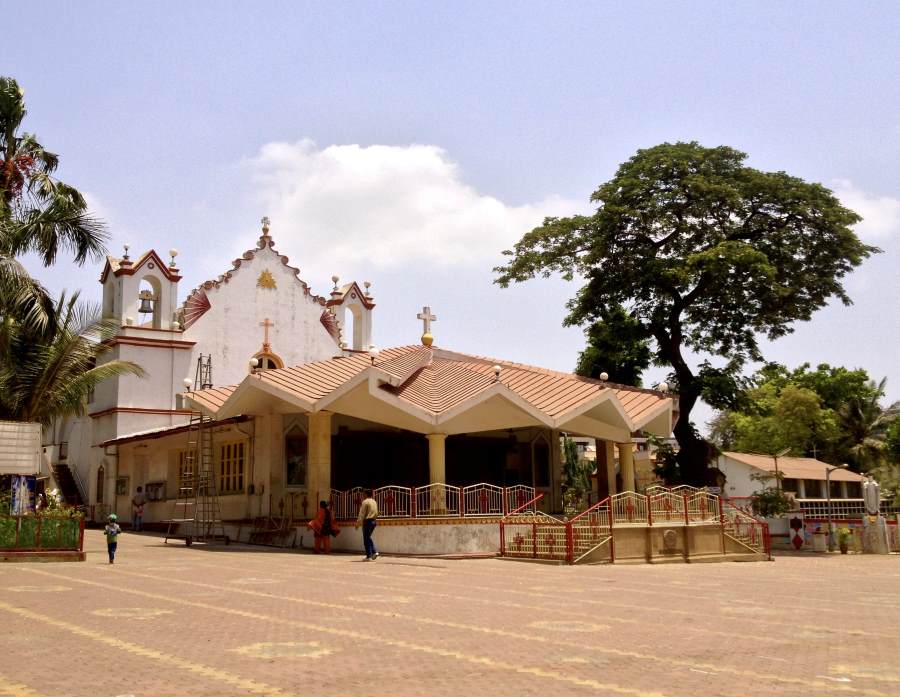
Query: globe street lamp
{"x": 828, "y": 471}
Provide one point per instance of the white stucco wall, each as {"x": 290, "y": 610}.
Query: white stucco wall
{"x": 737, "y": 477}
{"x": 230, "y": 330}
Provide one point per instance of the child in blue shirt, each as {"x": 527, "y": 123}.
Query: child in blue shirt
{"x": 112, "y": 531}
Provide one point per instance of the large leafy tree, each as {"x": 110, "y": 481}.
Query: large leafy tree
{"x": 774, "y": 419}
{"x": 831, "y": 413}
{"x": 707, "y": 254}
{"x": 52, "y": 375}
{"x": 616, "y": 345}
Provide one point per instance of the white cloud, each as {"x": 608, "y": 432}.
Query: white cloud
{"x": 385, "y": 206}
{"x": 880, "y": 214}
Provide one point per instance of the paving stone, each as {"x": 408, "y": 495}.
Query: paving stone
{"x": 172, "y": 620}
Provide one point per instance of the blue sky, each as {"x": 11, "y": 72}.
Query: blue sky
{"x": 185, "y": 123}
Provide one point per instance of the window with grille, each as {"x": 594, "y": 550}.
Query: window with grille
{"x": 231, "y": 467}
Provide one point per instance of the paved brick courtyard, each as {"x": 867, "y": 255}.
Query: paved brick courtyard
{"x": 171, "y": 620}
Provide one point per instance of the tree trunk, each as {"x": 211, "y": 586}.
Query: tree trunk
{"x": 694, "y": 453}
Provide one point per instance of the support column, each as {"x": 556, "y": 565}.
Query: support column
{"x": 606, "y": 467}
{"x": 319, "y": 478}
{"x": 626, "y": 465}
{"x": 437, "y": 458}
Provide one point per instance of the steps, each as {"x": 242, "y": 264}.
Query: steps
{"x": 68, "y": 488}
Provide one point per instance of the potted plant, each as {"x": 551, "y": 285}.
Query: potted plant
{"x": 844, "y": 535}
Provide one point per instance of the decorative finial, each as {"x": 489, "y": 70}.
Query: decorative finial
{"x": 497, "y": 370}
{"x": 172, "y": 253}
{"x": 265, "y": 225}
{"x": 335, "y": 279}
{"x": 604, "y": 376}
{"x": 125, "y": 257}
{"x": 367, "y": 285}
{"x": 427, "y": 318}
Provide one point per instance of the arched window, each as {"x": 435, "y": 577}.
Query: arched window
{"x": 268, "y": 361}
{"x": 296, "y": 457}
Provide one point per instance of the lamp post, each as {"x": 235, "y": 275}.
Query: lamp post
{"x": 828, "y": 471}
{"x": 775, "y": 457}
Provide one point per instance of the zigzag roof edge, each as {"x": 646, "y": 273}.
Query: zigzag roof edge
{"x": 264, "y": 242}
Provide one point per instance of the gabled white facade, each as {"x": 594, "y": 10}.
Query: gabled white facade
{"x": 259, "y": 309}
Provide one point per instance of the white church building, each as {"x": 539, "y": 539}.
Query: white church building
{"x": 280, "y": 322}
{"x": 304, "y": 408}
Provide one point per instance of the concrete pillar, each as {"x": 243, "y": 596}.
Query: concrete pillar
{"x": 606, "y": 468}
{"x": 626, "y": 465}
{"x": 437, "y": 458}
{"x": 801, "y": 489}
{"x": 319, "y": 458}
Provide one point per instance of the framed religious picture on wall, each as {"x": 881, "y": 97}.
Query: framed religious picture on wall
{"x": 122, "y": 486}
{"x": 296, "y": 457}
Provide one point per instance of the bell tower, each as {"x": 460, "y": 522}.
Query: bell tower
{"x": 352, "y": 308}
{"x": 142, "y": 292}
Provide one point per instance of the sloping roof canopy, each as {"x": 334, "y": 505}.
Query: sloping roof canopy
{"x": 795, "y": 467}
{"x": 431, "y": 390}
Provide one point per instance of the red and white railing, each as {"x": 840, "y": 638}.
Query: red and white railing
{"x": 435, "y": 501}
{"x": 667, "y": 507}
{"x": 483, "y": 499}
{"x": 630, "y": 508}
{"x": 746, "y": 529}
{"x": 702, "y": 507}
{"x": 528, "y": 534}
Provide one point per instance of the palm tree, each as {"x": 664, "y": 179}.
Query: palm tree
{"x": 53, "y": 376}
{"x": 38, "y": 213}
{"x": 866, "y": 424}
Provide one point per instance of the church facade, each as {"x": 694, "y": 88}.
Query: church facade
{"x": 282, "y": 323}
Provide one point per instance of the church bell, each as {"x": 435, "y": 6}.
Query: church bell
{"x": 146, "y": 297}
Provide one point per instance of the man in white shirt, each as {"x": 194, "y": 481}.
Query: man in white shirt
{"x": 368, "y": 514}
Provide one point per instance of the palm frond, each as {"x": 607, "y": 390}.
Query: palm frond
{"x": 52, "y": 377}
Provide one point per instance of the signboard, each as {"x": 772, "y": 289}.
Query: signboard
{"x": 22, "y": 494}
{"x": 20, "y": 448}
{"x": 717, "y": 490}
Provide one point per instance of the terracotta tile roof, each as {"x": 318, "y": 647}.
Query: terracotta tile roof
{"x": 213, "y": 398}
{"x": 795, "y": 467}
{"x": 436, "y": 381}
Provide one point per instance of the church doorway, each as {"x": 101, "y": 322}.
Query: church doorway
{"x": 378, "y": 458}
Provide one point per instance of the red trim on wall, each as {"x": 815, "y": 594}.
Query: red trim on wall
{"x": 136, "y": 410}
{"x": 148, "y": 341}
{"x": 129, "y": 269}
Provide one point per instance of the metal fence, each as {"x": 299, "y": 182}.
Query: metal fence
{"x": 751, "y": 532}
{"x": 703, "y": 507}
{"x": 842, "y": 508}
{"x": 630, "y": 508}
{"x": 528, "y": 534}
{"x": 667, "y": 506}
{"x": 435, "y": 501}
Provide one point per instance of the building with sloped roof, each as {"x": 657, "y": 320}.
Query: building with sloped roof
{"x": 303, "y": 406}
